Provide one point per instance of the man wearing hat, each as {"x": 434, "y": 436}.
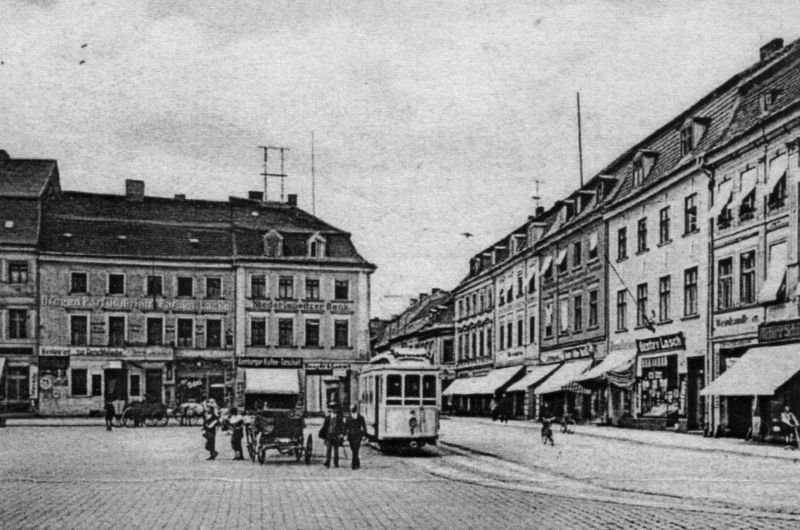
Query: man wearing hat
{"x": 355, "y": 429}
{"x": 331, "y": 432}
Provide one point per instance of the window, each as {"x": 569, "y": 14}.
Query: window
{"x": 747, "y": 280}
{"x": 273, "y": 245}
{"x": 79, "y": 330}
{"x": 116, "y": 331}
{"x": 777, "y": 197}
{"x": 690, "y": 291}
{"x": 116, "y": 284}
{"x": 531, "y": 330}
{"x": 258, "y": 286}
{"x": 725, "y": 283}
{"x": 481, "y": 302}
{"x": 520, "y": 332}
{"x": 258, "y": 332}
{"x": 285, "y": 331}
{"x": 447, "y": 351}
{"x": 185, "y": 286}
{"x": 461, "y": 308}
{"x": 97, "y": 385}
{"x": 429, "y": 389}
{"x": 286, "y": 287}
{"x": 312, "y": 332}
{"x": 687, "y": 138}
{"x": 78, "y": 380}
{"x": 577, "y": 312}
{"x": 664, "y": 288}
{"x": 747, "y": 209}
{"x": 316, "y": 246}
{"x": 213, "y": 287}
{"x": 155, "y": 332}
{"x": 18, "y": 272}
{"x": 214, "y": 333}
{"x": 473, "y": 349}
{"x": 136, "y": 385}
{"x": 576, "y": 254}
{"x": 509, "y": 335}
{"x": 622, "y": 244}
{"x": 548, "y": 319}
{"x": 501, "y": 298}
{"x": 622, "y": 310}
{"x": 532, "y": 283}
{"x": 185, "y": 332}
{"x": 562, "y": 261}
{"x": 78, "y": 283}
{"x": 641, "y": 235}
{"x": 341, "y": 290}
{"x": 563, "y": 321}
{"x": 18, "y": 324}
{"x": 502, "y": 336}
{"x": 638, "y": 172}
{"x": 412, "y": 390}
{"x": 394, "y": 389}
{"x": 593, "y": 301}
{"x": 481, "y": 343}
{"x": 469, "y": 306}
{"x": 488, "y": 299}
{"x": 474, "y": 302}
{"x": 776, "y": 182}
{"x": 641, "y": 305}
{"x": 592, "y": 246}
{"x": 489, "y": 345}
{"x": 312, "y": 289}
{"x": 663, "y": 225}
{"x": 690, "y": 214}
{"x": 155, "y": 286}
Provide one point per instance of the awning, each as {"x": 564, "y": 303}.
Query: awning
{"x": 2, "y": 366}
{"x": 616, "y": 361}
{"x": 271, "y": 381}
{"x": 777, "y": 169}
{"x": 483, "y": 385}
{"x": 534, "y": 375}
{"x": 748, "y": 183}
{"x": 562, "y": 255}
{"x": 548, "y": 261}
{"x": 568, "y": 372}
{"x": 722, "y": 198}
{"x": 592, "y": 242}
{"x": 759, "y": 372}
{"x": 775, "y": 277}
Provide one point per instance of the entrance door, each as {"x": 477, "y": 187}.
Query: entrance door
{"x": 695, "y": 383}
{"x": 116, "y": 387}
{"x": 153, "y": 383}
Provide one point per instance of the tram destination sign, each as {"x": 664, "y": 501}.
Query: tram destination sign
{"x": 780, "y": 331}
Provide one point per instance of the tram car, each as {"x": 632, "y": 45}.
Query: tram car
{"x": 400, "y": 392}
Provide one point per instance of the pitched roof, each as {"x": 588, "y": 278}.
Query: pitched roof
{"x": 19, "y": 221}
{"x": 25, "y": 178}
{"x": 436, "y": 309}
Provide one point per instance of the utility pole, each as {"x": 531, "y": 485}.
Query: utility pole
{"x": 537, "y": 198}
{"x": 266, "y": 174}
{"x": 580, "y": 141}
{"x": 313, "y": 180}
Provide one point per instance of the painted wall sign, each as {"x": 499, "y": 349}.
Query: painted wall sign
{"x": 302, "y": 306}
{"x": 149, "y": 352}
{"x": 270, "y": 362}
{"x": 142, "y": 304}
{"x": 674, "y": 341}
{"x": 738, "y": 322}
{"x": 785, "y": 330}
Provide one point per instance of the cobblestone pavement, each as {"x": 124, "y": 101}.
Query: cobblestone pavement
{"x": 79, "y": 477}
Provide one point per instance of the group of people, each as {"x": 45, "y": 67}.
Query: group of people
{"x": 335, "y": 429}
{"x": 501, "y": 408}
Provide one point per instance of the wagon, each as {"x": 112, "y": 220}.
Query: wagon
{"x": 281, "y": 431}
{"x": 144, "y": 413}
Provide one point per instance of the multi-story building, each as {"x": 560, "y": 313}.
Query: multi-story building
{"x": 177, "y": 300}
{"x": 24, "y": 185}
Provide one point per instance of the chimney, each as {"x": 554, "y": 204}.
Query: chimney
{"x": 436, "y": 290}
{"x": 770, "y": 48}
{"x": 539, "y": 211}
{"x": 134, "y": 189}
{"x": 180, "y": 197}
{"x": 255, "y": 195}
{"x": 413, "y": 301}
{"x": 292, "y": 199}
{"x": 423, "y": 296}
{"x": 4, "y": 157}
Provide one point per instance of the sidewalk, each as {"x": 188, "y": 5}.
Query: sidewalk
{"x": 675, "y": 440}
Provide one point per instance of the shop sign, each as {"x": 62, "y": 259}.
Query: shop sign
{"x": 148, "y": 352}
{"x": 587, "y": 350}
{"x": 16, "y": 351}
{"x": 739, "y": 322}
{"x": 674, "y": 341}
{"x": 270, "y": 362}
{"x": 302, "y": 306}
{"x": 785, "y": 330}
{"x": 118, "y": 303}
{"x": 619, "y": 345}
{"x": 339, "y": 372}
{"x": 47, "y": 351}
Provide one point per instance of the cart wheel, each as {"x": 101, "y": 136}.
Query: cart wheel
{"x": 309, "y": 449}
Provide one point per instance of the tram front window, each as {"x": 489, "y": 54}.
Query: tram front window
{"x": 412, "y": 390}
{"x": 394, "y": 389}
{"x": 429, "y": 390}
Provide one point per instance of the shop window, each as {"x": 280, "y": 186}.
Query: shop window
{"x": 664, "y": 295}
{"x": 16, "y": 383}
{"x": 258, "y": 332}
{"x": 622, "y": 244}
{"x": 155, "y": 286}
{"x": 394, "y": 389}
{"x": 429, "y": 389}
{"x": 690, "y": 291}
{"x": 78, "y": 383}
{"x": 79, "y": 330}
{"x": 341, "y": 290}
{"x": 155, "y": 331}
{"x": 285, "y": 332}
{"x": 185, "y": 332}
{"x": 185, "y": 286}
{"x": 341, "y": 330}
{"x": 286, "y": 287}
{"x": 725, "y": 283}
{"x": 312, "y": 289}
{"x": 135, "y": 385}
{"x": 747, "y": 280}
{"x": 17, "y": 324}
{"x": 622, "y": 310}
{"x": 213, "y": 287}
{"x": 18, "y": 272}
{"x": 593, "y": 307}
{"x": 116, "y": 331}
{"x": 312, "y": 332}
{"x": 412, "y": 389}
{"x": 78, "y": 283}
{"x": 258, "y": 287}
{"x": 214, "y": 333}
{"x": 97, "y": 385}
{"x": 116, "y": 284}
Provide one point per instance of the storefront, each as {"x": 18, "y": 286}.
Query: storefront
{"x": 473, "y": 395}
{"x": 18, "y": 392}
{"x": 661, "y": 385}
{"x": 613, "y": 378}
{"x": 524, "y": 389}
{"x": 326, "y": 383}
{"x": 561, "y": 395}
{"x": 198, "y": 379}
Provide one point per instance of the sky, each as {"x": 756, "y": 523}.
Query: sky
{"x": 430, "y": 119}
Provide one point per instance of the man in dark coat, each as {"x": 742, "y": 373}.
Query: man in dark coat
{"x": 355, "y": 429}
{"x": 210, "y": 424}
{"x": 332, "y": 431}
{"x": 110, "y": 413}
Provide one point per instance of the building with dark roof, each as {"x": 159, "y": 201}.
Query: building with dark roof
{"x": 176, "y": 300}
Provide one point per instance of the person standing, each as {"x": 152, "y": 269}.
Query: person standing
{"x": 210, "y": 424}
{"x": 494, "y": 408}
{"x": 110, "y": 414}
{"x": 789, "y": 424}
{"x": 547, "y": 420}
{"x": 236, "y": 421}
{"x": 331, "y": 432}
{"x": 355, "y": 429}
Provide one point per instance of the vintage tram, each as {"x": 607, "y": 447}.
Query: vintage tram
{"x": 400, "y": 393}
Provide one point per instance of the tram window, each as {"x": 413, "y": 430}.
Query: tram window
{"x": 394, "y": 389}
{"x": 412, "y": 390}
{"x": 429, "y": 390}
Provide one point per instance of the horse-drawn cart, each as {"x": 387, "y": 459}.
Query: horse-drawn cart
{"x": 278, "y": 430}
{"x": 144, "y": 413}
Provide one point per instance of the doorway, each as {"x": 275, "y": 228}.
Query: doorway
{"x": 116, "y": 388}
{"x": 695, "y": 373}
{"x": 153, "y": 384}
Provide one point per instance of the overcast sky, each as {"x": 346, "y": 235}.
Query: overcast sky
{"x": 431, "y": 118}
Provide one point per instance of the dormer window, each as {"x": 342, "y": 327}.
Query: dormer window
{"x": 767, "y": 100}
{"x": 569, "y": 209}
{"x": 643, "y": 163}
{"x": 273, "y": 244}
{"x": 691, "y": 134}
{"x": 605, "y": 186}
{"x": 316, "y": 246}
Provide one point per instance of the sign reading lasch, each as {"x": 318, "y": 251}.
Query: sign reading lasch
{"x": 674, "y": 341}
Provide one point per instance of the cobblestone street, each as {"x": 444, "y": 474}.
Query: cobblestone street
{"x": 158, "y": 478}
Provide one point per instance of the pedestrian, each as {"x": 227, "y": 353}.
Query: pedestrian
{"x": 494, "y": 408}
{"x": 789, "y": 424}
{"x": 331, "y": 432}
{"x": 505, "y": 409}
{"x": 210, "y": 424}
{"x": 547, "y": 420}
{"x": 110, "y": 414}
{"x": 236, "y": 422}
{"x": 355, "y": 429}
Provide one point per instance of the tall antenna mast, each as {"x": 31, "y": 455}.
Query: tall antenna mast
{"x": 580, "y": 142}
{"x": 536, "y": 197}
{"x": 313, "y": 179}
{"x": 266, "y": 174}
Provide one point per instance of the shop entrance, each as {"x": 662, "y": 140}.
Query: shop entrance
{"x": 116, "y": 387}
{"x": 695, "y": 402}
{"x": 153, "y": 385}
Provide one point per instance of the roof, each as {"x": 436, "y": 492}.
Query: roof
{"x": 759, "y": 372}
{"x": 24, "y": 177}
{"x": 435, "y": 309}
{"x": 19, "y": 221}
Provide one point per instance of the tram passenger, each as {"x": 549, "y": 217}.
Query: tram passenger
{"x": 332, "y": 432}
